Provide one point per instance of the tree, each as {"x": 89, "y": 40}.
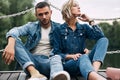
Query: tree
{"x": 10, "y": 7}
{"x": 112, "y": 33}
{"x": 21, "y": 6}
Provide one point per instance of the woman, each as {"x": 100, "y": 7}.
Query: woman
{"x": 69, "y": 43}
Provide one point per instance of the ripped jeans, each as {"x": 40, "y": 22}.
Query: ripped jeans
{"x": 26, "y": 58}
{"x": 83, "y": 66}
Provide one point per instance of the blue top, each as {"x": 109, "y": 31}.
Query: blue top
{"x": 67, "y": 41}
{"x": 32, "y": 30}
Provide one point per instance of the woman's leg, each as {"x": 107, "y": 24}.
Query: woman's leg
{"x": 87, "y": 69}
{"x": 71, "y": 67}
{"x": 85, "y": 65}
{"x": 98, "y": 53}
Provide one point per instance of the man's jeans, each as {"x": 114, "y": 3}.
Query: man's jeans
{"x": 55, "y": 64}
{"x": 25, "y": 58}
{"x": 83, "y": 65}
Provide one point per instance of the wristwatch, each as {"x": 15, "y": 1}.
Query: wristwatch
{"x": 91, "y": 22}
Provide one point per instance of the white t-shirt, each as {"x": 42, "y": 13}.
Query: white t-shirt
{"x": 43, "y": 47}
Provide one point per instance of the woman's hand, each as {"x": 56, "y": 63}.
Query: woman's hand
{"x": 73, "y": 56}
{"x": 86, "y": 51}
{"x": 84, "y": 18}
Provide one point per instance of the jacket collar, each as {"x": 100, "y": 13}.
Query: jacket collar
{"x": 78, "y": 25}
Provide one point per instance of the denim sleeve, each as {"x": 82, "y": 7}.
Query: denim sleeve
{"x": 94, "y": 32}
{"x": 57, "y": 48}
{"x": 18, "y": 31}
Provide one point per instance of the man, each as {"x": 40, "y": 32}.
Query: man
{"x": 34, "y": 55}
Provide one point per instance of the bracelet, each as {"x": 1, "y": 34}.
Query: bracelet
{"x": 91, "y": 22}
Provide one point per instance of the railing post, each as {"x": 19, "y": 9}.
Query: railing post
{"x": 1, "y": 51}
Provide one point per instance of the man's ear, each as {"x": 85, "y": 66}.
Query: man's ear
{"x": 51, "y": 11}
{"x": 36, "y": 14}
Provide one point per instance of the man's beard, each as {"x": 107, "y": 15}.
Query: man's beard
{"x": 45, "y": 22}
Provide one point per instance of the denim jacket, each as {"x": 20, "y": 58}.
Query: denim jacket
{"x": 67, "y": 41}
{"x": 33, "y": 32}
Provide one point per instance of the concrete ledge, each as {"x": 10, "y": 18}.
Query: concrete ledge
{"x": 20, "y": 75}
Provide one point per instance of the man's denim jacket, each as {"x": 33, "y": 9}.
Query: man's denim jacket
{"x": 33, "y": 32}
{"x": 67, "y": 41}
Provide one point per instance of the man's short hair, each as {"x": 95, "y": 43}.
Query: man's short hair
{"x": 42, "y": 4}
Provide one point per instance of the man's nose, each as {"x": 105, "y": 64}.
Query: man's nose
{"x": 78, "y": 7}
{"x": 44, "y": 16}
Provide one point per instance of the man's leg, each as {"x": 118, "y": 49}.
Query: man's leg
{"x": 35, "y": 73}
{"x": 42, "y": 64}
{"x": 98, "y": 53}
{"x": 25, "y": 59}
{"x": 57, "y": 72}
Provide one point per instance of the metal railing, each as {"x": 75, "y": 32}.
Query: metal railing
{"x": 108, "y": 52}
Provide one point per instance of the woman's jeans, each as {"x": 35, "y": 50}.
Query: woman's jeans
{"x": 83, "y": 65}
{"x": 25, "y": 58}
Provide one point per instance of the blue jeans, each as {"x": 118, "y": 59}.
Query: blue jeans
{"x": 55, "y": 64}
{"x": 26, "y": 58}
{"x": 83, "y": 65}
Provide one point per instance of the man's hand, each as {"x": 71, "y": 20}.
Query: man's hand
{"x": 9, "y": 52}
{"x": 8, "y": 55}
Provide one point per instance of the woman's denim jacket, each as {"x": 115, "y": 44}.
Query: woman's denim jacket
{"x": 33, "y": 32}
{"x": 68, "y": 41}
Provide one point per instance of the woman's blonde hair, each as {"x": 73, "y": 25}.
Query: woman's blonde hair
{"x": 66, "y": 10}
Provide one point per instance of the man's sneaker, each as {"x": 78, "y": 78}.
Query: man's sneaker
{"x": 62, "y": 75}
